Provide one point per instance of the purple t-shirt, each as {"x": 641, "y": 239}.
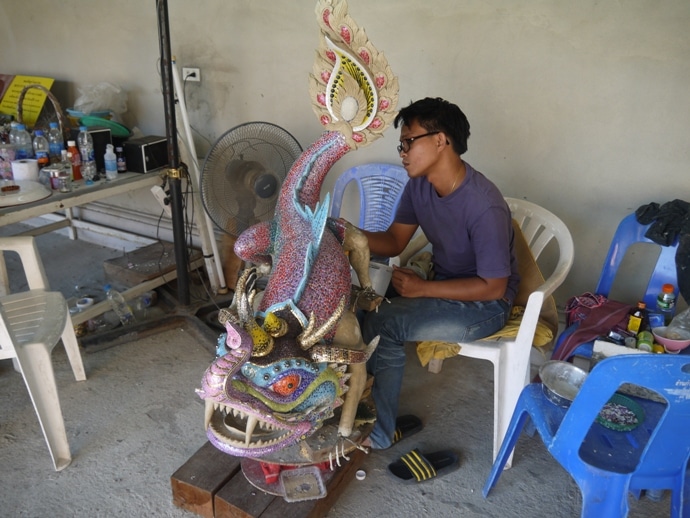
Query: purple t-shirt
{"x": 470, "y": 230}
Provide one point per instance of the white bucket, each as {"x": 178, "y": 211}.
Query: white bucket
{"x": 380, "y": 275}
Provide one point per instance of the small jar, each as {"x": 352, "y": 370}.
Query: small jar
{"x": 64, "y": 182}
{"x": 52, "y": 172}
{"x": 645, "y": 340}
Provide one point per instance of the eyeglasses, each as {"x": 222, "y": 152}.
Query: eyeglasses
{"x": 406, "y": 143}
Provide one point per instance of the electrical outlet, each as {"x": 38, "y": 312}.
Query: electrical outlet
{"x": 191, "y": 74}
{"x": 162, "y": 198}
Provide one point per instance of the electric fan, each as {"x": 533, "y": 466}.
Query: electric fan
{"x": 243, "y": 172}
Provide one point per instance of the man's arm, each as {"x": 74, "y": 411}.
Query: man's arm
{"x": 391, "y": 242}
{"x": 408, "y": 284}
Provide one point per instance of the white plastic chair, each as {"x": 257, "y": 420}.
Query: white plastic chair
{"x": 511, "y": 356}
{"x": 31, "y": 324}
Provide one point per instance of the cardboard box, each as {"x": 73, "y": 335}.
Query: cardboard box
{"x": 146, "y": 154}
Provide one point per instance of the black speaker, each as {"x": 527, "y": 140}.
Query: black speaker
{"x": 146, "y": 154}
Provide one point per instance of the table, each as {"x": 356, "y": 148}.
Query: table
{"x": 81, "y": 195}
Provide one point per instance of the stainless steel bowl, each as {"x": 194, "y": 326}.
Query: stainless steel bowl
{"x": 561, "y": 381}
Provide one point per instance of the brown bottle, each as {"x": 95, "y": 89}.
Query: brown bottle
{"x": 638, "y": 320}
{"x": 76, "y": 159}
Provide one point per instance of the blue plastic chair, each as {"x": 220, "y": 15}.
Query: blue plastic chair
{"x": 628, "y": 233}
{"x": 380, "y": 187}
{"x": 607, "y": 464}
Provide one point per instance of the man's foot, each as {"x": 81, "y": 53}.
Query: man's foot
{"x": 405, "y": 426}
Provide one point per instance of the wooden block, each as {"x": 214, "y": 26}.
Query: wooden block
{"x": 196, "y": 482}
{"x": 239, "y": 499}
{"x": 143, "y": 264}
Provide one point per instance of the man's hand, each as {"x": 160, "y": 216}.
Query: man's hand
{"x": 407, "y": 283}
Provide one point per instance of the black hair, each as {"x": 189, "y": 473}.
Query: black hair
{"x": 436, "y": 114}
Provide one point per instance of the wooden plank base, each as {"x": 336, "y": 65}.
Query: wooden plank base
{"x": 144, "y": 264}
{"x": 212, "y": 485}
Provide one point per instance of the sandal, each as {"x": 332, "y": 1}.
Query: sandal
{"x": 405, "y": 426}
{"x": 418, "y": 467}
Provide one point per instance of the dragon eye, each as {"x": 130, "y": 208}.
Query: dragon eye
{"x": 287, "y": 385}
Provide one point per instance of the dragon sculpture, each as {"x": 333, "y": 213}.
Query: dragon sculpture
{"x": 293, "y": 353}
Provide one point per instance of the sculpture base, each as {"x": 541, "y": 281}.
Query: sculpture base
{"x": 213, "y": 485}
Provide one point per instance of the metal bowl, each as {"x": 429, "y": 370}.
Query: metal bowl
{"x": 561, "y": 381}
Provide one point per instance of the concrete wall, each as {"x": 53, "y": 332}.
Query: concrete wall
{"x": 582, "y": 107}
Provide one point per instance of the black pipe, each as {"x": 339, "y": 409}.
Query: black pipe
{"x": 174, "y": 179}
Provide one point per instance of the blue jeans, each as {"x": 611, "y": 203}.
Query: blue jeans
{"x": 418, "y": 319}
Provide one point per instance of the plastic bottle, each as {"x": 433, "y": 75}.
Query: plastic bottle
{"x": 23, "y": 143}
{"x": 66, "y": 162}
{"x": 142, "y": 303}
{"x": 75, "y": 158}
{"x": 12, "y": 135}
{"x": 119, "y": 305}
{"x": 666, "y": 302}
{"x": 56, "y": 142}
{"x": 41, "y": 149}
{"x": 121, "y": 161}
{"x": 88, "y": 157}
{"x": 110, "y": 163}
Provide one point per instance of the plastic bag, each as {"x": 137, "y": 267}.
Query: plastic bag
{"x": 103, "y": 96}
{"x": 679, "y": 326}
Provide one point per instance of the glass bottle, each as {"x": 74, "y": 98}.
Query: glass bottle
{"x": 121, "y": 161}
{"x": 638, "y": 319}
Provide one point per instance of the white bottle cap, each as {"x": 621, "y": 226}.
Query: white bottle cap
{"x": 71, "y": 143}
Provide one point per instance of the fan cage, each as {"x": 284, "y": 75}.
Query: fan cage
{"x": 243, "y": 172}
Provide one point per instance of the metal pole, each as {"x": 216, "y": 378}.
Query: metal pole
{"x": 174, "y": 172}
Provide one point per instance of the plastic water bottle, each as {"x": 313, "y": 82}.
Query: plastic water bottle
{"x": 41, "y": 149}
{"x": 142, "y": 303}
{"x": 56, "y": 142}
{"x": 666, "y": 302}
{"x": 12, "y": 136}
{"x": 88, "y": 157}
{"x": 23, "y": 143}
{"x": 119, "y": 305}
{"x": 66, "y": 162}
{"x": 110, "y": 163}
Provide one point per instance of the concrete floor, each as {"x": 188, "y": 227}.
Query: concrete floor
{"x": 137, "y": 419}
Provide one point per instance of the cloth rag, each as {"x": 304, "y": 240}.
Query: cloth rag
{"x": 667, "y": 223}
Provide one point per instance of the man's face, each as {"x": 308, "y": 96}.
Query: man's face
{"x": 418, "y": 148}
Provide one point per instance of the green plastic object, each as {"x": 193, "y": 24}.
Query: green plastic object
{"x": 116, "y": 129}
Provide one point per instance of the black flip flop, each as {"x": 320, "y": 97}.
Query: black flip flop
{"x": 419, "y": 467}
{"x": 405, "y": 426}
